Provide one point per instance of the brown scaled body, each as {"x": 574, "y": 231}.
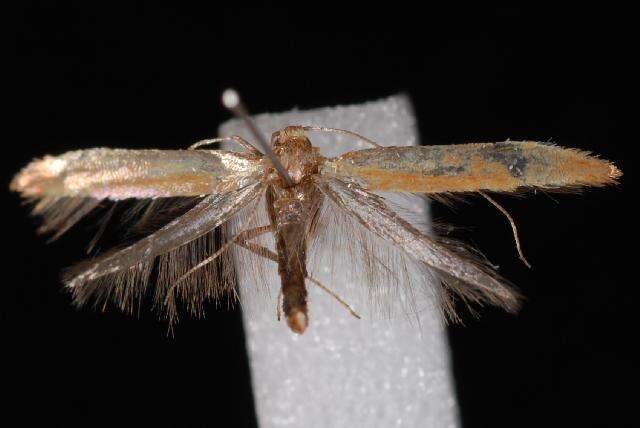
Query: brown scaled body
{"x": 293, "y": 212}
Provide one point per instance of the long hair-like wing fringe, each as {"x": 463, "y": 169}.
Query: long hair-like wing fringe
{"x": 171, "y": 256}
{"x": 392, "y": 270}
{"x": 127, "y": 289}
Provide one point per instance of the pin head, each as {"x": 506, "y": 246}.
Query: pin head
{"x": 230, "y": 98}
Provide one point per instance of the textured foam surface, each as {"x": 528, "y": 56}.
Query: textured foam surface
{"x": 345, "y": 372}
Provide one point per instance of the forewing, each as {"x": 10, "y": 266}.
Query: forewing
{"x": 120, "y": 174}
{"x": 498, "y": 167}
{"x": 462, "y": 274}
{"x": 71, "y": 185}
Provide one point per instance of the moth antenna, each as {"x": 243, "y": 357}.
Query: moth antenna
{"x": 231, "y": 100}
{"x": 343, "y": 132}
{"x": 335, "y": 296}
{"x": 235, "y": 138}
{"x": 514, "y": 229}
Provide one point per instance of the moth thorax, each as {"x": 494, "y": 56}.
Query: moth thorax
{"x": 296, "y": 153}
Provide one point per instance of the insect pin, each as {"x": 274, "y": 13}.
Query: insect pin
{"x": 290, "y": 180}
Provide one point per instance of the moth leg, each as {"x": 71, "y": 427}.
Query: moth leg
{"x": 240, "y": 236}
{"x": 247, "y": 234}
{"x": 343, "y": 132}
{"x": 279, "y": 304}
{"x": 235, "y": 138}
{"x": 335, "y": 296}
{"x": 258, "y": 249}
{"x": 265, "y": 252}
{"x": 514, "y": 229}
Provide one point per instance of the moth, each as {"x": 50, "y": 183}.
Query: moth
{"x": 294, "y": 183}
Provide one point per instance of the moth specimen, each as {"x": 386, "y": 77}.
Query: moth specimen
{"x": 293, "y": 182}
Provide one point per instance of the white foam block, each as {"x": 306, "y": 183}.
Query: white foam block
{"x": 345, "y": 372}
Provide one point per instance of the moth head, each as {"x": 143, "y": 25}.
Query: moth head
{"x": 290, "y": 136}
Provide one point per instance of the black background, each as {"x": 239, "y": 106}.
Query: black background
{"x": 146, "y": 76}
